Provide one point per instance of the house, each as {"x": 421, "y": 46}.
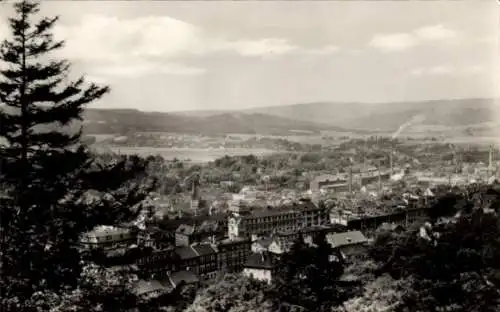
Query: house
{"x": 154, "y": 237}
{"x": 232, "y": 253}
{"x": 207, "y": 260}
{"x": 260, "y": 266}
{"x": 280, "y": 245}
{"x": 208, "y": 230}
{"x": 261, "y": 244}
{"x": 334, "y": 183}
{"x": 200, "y": 259}
{"x": 108, "y": 237}
{"x": 157, "y": 263}
{"x": 348, "y": 243}
{"x": 151, "y": 289}
{"x": 183, "y": 277}
{"x": 226, "y": 184}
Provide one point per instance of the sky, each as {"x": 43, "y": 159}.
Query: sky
{"x": 188, "y": 55}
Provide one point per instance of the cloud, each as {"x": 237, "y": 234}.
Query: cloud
{"x": 396, "y": 42}
{"x": 97, "y": 79}
{"x": 393, "y": 42}
{"x": 442, "y": 70}
{"x": 329, "y": 49}
{"x": 110, "y": 46}
{"x": 435, "y": 32}
{"x": 98, "y": 38}
{"x": 254, "y": 47}
{"x": 153, "y": 44}
{"x": 162, "y": 36}
{"x": 146, "y": 68}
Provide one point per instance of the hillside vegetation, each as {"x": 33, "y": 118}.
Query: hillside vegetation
{"x": 310, "y": 118}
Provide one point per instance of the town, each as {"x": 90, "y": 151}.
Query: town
{"x": 249, "y": 157}
{"x": 246, "y": 238}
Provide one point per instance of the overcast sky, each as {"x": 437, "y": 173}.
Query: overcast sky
{"x": 170, "y": 56}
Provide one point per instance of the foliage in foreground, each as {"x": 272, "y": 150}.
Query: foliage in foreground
{"x": 54, "y": 190}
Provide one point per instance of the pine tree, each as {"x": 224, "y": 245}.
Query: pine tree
{"x": 46, "y": 172}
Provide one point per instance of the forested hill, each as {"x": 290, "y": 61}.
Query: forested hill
{"x": 128, "y": 120}
{"x": 389, "y": 116}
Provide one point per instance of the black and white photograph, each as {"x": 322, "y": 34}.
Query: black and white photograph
{"x": 249, "y": 156}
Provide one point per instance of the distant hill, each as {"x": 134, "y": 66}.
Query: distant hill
{"x": 99, "y": 121}
{"x": 438, "y": 115}
{"x": 388, "y": 116}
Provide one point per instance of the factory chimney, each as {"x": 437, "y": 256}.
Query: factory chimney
{"x": 379, "y": 180}
{"x": 391, "y": 161}
{"x": 350, "y": 180}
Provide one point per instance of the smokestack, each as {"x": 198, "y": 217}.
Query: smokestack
{"x": 379, "y": 181}
{"x": 350, "y": 180}
{"x": 194, "y": 189}
{"x": 390, "y": 162}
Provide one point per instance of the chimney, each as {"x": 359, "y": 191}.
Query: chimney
{"x": 390, "y": 161}
{"x": 350, "y": 179}
{"x": 379, "y": 181}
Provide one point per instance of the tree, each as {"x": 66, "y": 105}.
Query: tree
{"x": 99, "y": 289}
{"x": 54, "y": 188}
{"x": 451, "y": 266}
{"x": 307, "y": 278}
{"x": 234, "y": 294}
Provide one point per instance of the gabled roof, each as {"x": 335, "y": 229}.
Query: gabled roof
{"x": 346, "y": 239}
{"x": 283, "y": 242}
{"x": 183, "y": 276}
{"x": 143, "y": 287}
{"x": 204, "y": 249}
{"x": 264, "y": 242}
{"x": 493, "y": 180}
{"x": 262, "y": 260}
{"x": 186, "y": 252}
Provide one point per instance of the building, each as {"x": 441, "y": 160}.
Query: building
{"x": 334, "y": 183}
{"x": 108, "y": 237}
{"x": 171, "y": 225}
{"x": 157, "y": 264}
{"x": 232, "y": 253}
{"x": 281, "y": 242}
{"x": 262, "y": 244}
{"x": 183, "y": 278}
{"x": 155, "y": 237}
{"x": 151, "y": 289}
{"x": 207, "y": 231}
{"x": 348, "y": 243}
{"x": 260, "y": 266}
{"x": 201, "y": 260}
{"x": 402, "y": 217}
{"x": 244, "y": 222}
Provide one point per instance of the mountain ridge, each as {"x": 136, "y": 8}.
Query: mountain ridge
{"x": 309, "y": 117}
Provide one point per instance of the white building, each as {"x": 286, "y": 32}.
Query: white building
{"x": 260, "y": 266}
{"x": 107, "y": 237}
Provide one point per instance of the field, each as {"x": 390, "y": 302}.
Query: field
{"x": 192, "y": 154}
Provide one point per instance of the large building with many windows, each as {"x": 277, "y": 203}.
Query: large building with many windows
{"x": 243, "y": 222}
